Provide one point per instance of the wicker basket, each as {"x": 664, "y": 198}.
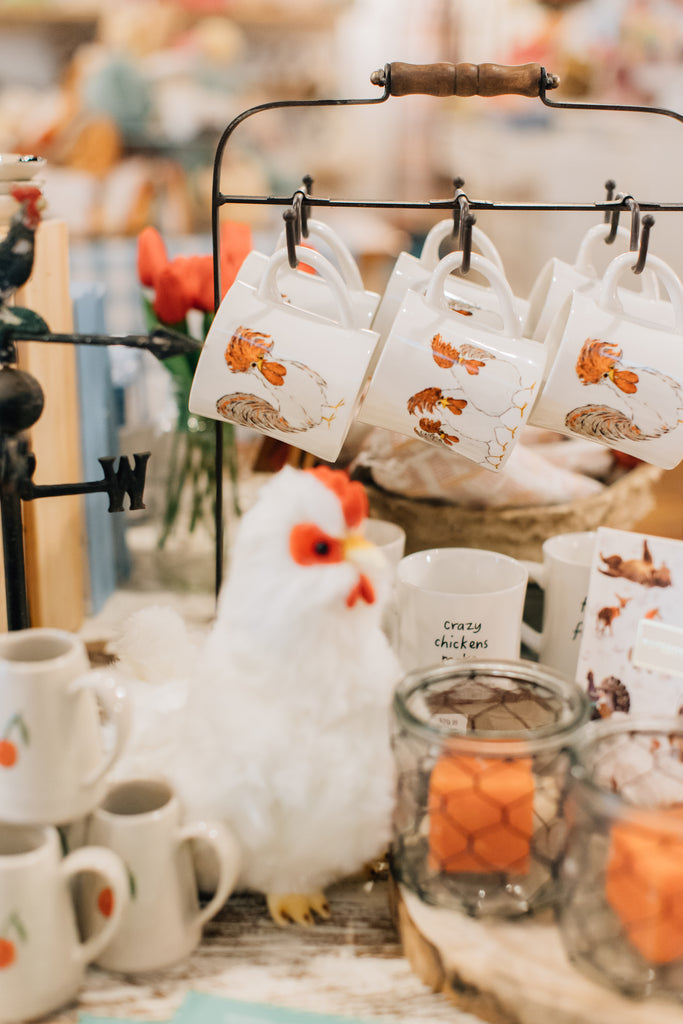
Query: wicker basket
{"x": 519, "y": 532}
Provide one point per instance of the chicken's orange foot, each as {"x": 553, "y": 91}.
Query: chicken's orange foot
{"x": 296, "y": 907}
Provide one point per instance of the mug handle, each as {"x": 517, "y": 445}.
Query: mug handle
{"x": 109, "y": 865}
{"x": 537, "y": 574}
{"x": 435, "y": 289}
{"x": 116, "y": 704}
{"x": 608, "y": 293}
{"x": 430, "y": 249}
{"x": 347, "y": 265}
{"x": 219, "y": 837}
{"x": 584, "y": 263}
{"x": 268, "y": 291}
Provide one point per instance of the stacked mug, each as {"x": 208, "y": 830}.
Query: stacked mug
{"x": 129, "y": 888}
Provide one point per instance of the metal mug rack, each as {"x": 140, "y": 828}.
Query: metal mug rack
{"x": 442, "y": 79}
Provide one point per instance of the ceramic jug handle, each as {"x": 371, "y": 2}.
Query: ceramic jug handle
{"x": 480, "y": 241}
{"x": 116, "y": 705}
{"x": 107, "y": 864}
{"x": 537, "y": 574}
{"x": 623, "y": 264}
{"x": 435, "y": 289}
{"x": 268, "y": 288}
{"x": 219, "y": 837}
{"x": 347, "y": 265}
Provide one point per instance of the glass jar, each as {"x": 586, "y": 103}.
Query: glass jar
{"x": 481, "y": 752}
{"x": 621, "y": 912}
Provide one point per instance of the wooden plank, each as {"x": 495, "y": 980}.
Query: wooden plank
{"x": 510, "y": 971}
{"x": 54, "y": 529}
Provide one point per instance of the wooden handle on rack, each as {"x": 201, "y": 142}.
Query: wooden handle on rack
{"x": 465, "y": 79}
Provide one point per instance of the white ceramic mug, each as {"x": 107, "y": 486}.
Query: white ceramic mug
{"x": 54, "y": 752}
{"x": 558, "y": 280}
{"x": 452, "y": 381}
{"x": 413, "y": 272}
{"x": 287, "y": 372}
{"x": 456, "y": 603}
{"x": 42, "y": 959}
{"x": 618, "y": 379}
{"x": 141, "y": 820}
{"x": 310, "y": 291}
{"x": 390, "y": 539}
{"x": 563, "y": 576}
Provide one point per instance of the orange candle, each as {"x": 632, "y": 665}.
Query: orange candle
{"x": 644, "y": 883}
{"x": 481, "y": 814}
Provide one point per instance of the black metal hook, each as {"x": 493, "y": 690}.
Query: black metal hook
{"x": 293, "y": 218}
{"x": 467, "y": 222}
{"x": 628, "y": 201}
{"x": 305, "y": 209}
{"x": 610, "y": 186}
{"x": 648, "y": 224}
{"x": 457, "y": 185}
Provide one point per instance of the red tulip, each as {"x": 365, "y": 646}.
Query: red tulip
{"x": 152, "y": 256}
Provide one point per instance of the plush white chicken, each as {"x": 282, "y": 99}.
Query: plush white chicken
{"x": 277, "y": 721}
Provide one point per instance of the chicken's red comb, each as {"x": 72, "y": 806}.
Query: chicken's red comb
{"x": 351, "y": 494}
{"x": 26, "y": 192}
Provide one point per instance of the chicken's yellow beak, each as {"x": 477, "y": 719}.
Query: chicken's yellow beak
{"x": 361, "y": 551}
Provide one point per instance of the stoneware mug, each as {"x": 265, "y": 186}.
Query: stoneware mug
{"x": 563, "y": 576}
{"x": 618, "y": 379}
{"x": 456, "y": 603}
{"x": 54, "y": 751}
{"x": 413, "y": 272}
{"x": 141, "y": 820}
{"x": 287, "y": 372}
{"x": 42, "y": 959}
{"x": 452, "y": 381}
{"x": 309, "y": 290}
{"x": 558, "y": 280}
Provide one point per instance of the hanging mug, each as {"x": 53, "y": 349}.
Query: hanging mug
{"x": 287, "y": 372}
{"x": 414, "y": 272}
{"x": 450, "y": 380}
{"x": 311, "y": 291}
{"x": 618, "y": 379}
{"x": 558, "y": 280}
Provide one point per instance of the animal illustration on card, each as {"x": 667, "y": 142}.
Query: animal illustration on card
{"x": 608, "y": 613}
{"x": 638, "y": 570}
{"x": 608, "y": 696}
{"x": 297, "y": 394}
{"x": 650, "y": 402}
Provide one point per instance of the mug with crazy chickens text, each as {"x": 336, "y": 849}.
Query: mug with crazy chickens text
{"x": 309, "y": 290}
{"x": 618, "y": 379}
{"x": 558, "y": 280}
{"x": 285, "y": 371}
{"x": 449, "y": 379}
{"x": 414, "y": 272}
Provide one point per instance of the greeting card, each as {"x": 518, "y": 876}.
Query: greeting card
{"x": 631, "y": 655}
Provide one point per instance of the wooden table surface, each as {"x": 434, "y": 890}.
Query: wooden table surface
{"x": 351, "y": 965}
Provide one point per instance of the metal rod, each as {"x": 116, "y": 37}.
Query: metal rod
{"x": 15, "y": 570}
{"x": 550, "y": 81}
{"x": 448, "y": 204}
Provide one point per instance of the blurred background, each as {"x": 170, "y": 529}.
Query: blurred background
{"x": 126, "y": 102}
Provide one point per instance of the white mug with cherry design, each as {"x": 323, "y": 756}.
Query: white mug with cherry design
{"x": 54, "y": 752}
{"x": 42, "y": 958}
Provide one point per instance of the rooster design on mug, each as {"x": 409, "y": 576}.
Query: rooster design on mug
{"x": 297, "y": 394}
{"x": 486, "y": 417}
{"x": 651, "y": 402}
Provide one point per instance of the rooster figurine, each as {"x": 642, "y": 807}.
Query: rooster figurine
{"x": 17, "y": 250}
{"x": 277, "y": 719}
{"x": 651, "y": 403}
{"x": 297, "y": 393}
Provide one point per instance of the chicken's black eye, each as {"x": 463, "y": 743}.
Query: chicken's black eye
{"x": 321, "y": 547}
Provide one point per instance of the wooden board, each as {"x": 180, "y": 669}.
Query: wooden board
{"x": 510, "y": 972}
{"x": 54, "y": 528}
